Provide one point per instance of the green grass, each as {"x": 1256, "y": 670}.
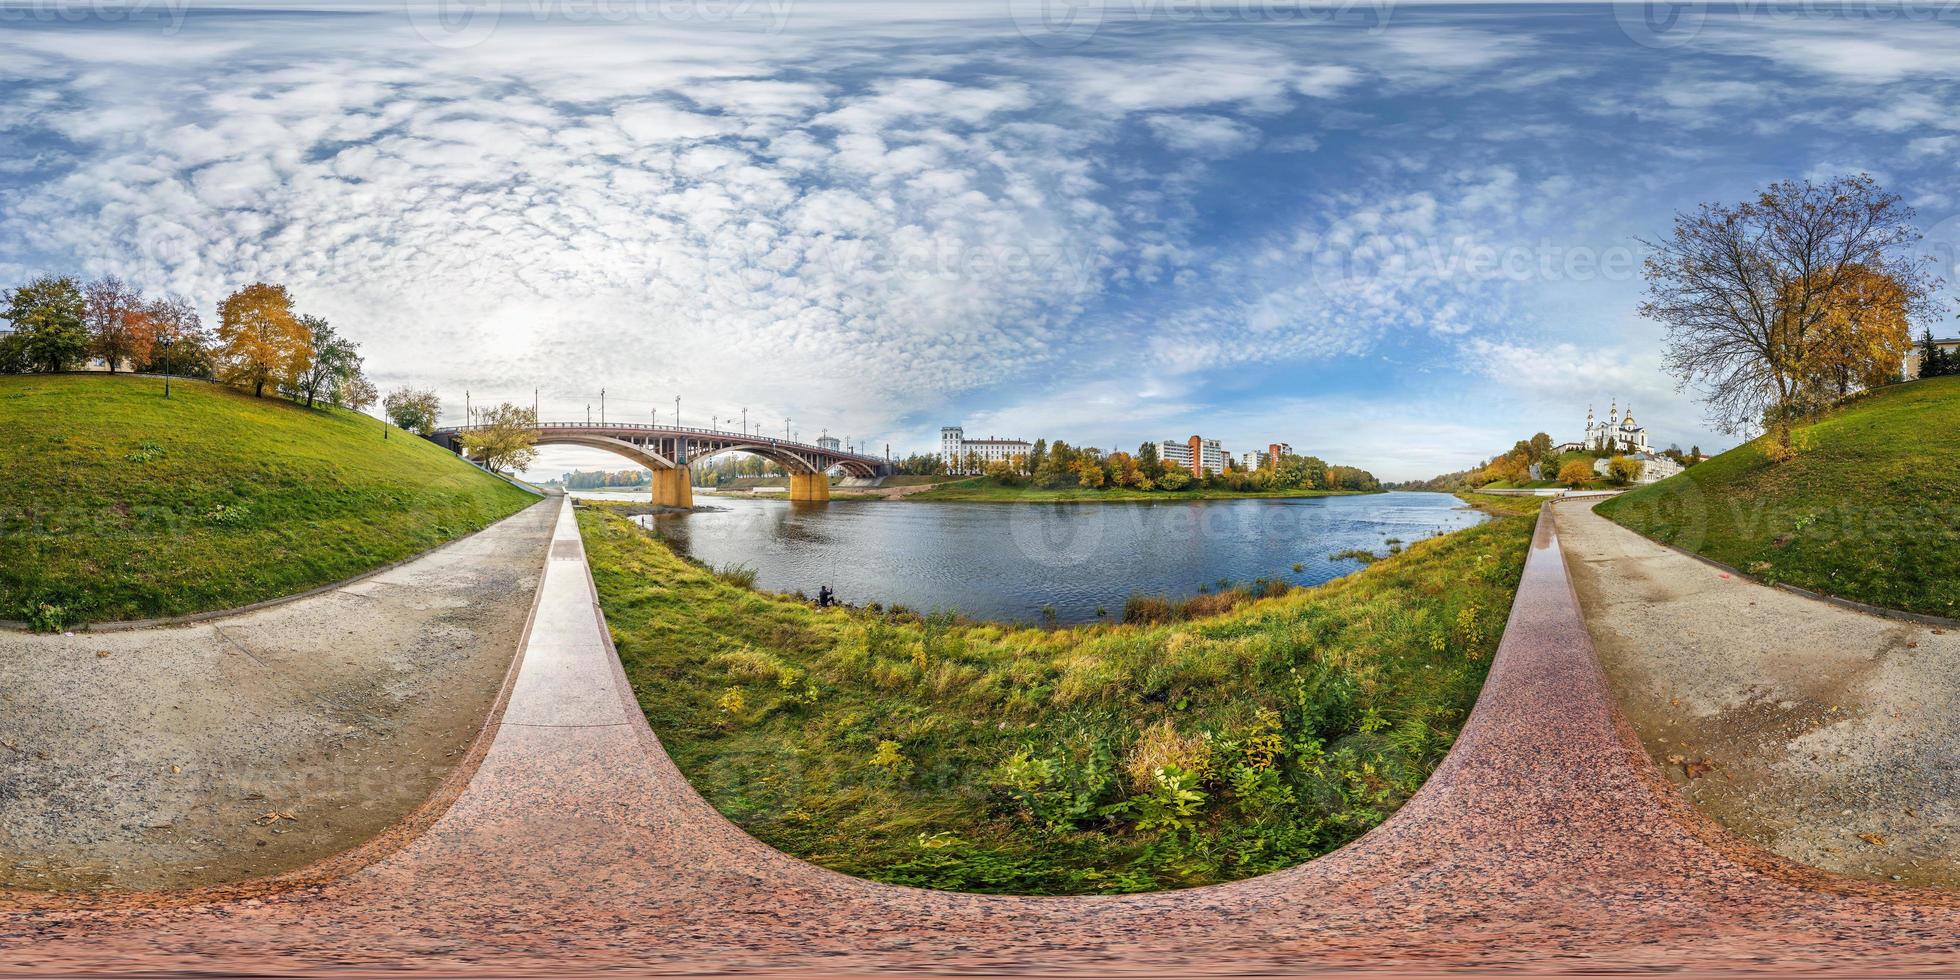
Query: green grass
{"x": 122, "y": 505}
{"x": 1096, "y": 759}
{"x": 1868, "y": 510}
{"x": 982, "y": 489}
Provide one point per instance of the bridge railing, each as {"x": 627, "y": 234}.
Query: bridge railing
{"x": 692, "y": 430}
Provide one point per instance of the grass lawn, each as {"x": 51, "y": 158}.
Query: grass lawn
{"x": 1868, "y": 510}
{"x": 1094, "y": 759}
{"x": 989, "y": 490}
{"x": 122, "y": 505}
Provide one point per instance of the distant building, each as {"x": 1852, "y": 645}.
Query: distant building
{"x": 959, "y": 453}
{"x": 1197, "y": 454}
{"x": 1613, "y": 434}
{"x": 1910, "y": 370}
{"x": 1653, "y": 466}
{"x": 1251, "y": 459}
{"x": 829, "y": 442}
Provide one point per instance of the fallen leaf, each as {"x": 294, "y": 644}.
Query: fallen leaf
{"x": 101, "y": 653}
{"x": 1696, "y": 770}
{"x": 1872, "y": 839}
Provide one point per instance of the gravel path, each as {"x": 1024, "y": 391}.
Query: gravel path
{"x": 251, "y": 744}
{"x": 1828, "y": 736}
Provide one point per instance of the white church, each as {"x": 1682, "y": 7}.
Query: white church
{"x": 1613, "y": 434}
{"x": 1620, "y": 435}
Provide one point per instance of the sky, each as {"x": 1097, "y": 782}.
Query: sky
{"x": 1393, "y": 235}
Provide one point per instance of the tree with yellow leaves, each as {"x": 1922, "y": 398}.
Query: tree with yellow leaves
{"x": 260, "y": 340}
{"x": 1859, "y": 336}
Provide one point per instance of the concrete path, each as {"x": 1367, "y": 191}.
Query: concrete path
{"x": 1544, "y": 842}
{"x": 247, "y": 745}
{"x": 1829, "y": 736}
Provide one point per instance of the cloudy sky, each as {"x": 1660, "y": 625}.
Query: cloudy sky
{"x": 1395, "y": 235}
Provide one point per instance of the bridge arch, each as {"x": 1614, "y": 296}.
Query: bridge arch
{"x": 637, "y": 453}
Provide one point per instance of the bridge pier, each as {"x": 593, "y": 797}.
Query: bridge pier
{"x": 809, "y": 487}
{"x": 673, "y": 488}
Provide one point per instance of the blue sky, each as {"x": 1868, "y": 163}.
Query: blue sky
{"x": 1395, "y": 235}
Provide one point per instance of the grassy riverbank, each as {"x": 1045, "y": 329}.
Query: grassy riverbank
{"x": 982, "y": 489}
{"x": 1094, "y": 759}
{"x": 1868, "y": 510}
{"x": 123, "y": 505}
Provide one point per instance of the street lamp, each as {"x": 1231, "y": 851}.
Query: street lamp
{"x": 165, "y": 343}
{"x": 745, "y": 421}
{"x": 602, "y": 406}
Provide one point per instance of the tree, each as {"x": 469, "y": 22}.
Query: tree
{"x": 501, "y": 438}
{"x": 1089, "y": 473}
{"x": 117, "y": 321}
{"x": 1149, "y": 462}
{"x": 177, "y": 341}
{"x": 1934, "y": 362}
{"x": 1743, "y": 289}
{"x": 46, "y": 315}
{"x": 1036, "y": 455}
{"x": 1576, "y": 473}
{"x": 336, "y": 361}
{"x": 1623, "y": 471}
{"x": 414, "y": 411}
{"x": 260, "y": 341}
{"x": 357, "y": 393}
{"x": 1174, "y": 478}
{"x": 1860, "y": 339}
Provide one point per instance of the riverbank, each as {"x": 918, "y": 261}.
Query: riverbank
{"x": 1097, "y": 759}
{"x": 988, "y": 490}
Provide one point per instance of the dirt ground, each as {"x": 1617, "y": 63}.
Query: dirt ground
{"x": 256, "y": 743}
{"x": 1828, "y": 736}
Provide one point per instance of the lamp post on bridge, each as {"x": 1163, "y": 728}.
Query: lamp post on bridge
{"x": 602, "y": 406}
{"x": 745, "y": 421}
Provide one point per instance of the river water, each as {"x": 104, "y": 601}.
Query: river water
{"x": 1008, "y": 561}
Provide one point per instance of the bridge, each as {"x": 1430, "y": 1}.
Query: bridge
{"x": 668, "y": 450}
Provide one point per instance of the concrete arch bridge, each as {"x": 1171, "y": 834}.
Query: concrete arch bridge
{"x": 669, "y": 450}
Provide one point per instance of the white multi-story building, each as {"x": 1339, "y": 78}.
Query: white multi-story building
{"x": 1197, "y": 454}
{"x": 1252, "y": 459}
{"x": 961, "y": 454}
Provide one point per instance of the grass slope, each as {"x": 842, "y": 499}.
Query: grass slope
{"x": 1868, "y": 510}
{"x": 122, "y": 505}
{"x": 1095, "y": 759}
{"x": 988, "y": 490}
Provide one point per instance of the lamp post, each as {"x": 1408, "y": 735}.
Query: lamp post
{"x": 602, "y": 406}
{"x": 165, "y": 343}
{"x": 786, "y": 428}
{"x": 745, "y": 421}
{"x": 677, "y": 411}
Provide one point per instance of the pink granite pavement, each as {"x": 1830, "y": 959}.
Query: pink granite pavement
{"x": 1545, "y": 842}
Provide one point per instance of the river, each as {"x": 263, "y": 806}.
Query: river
{"x": 1008, "y": 561}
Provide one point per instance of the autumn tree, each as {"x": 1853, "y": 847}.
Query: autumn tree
{"x": 46, "y": 316}
{"x": 1860, "y": 339}
{"x": 502, "y": 438}
{"x": 260, "y": 340}
{"x": 1576, "y": 472}
{"x": 177, "y": 341}
{"x": 1089, "y": 473}
{"x": 414, "y": 411}
{"x": 1622, "y": 470}
{"x": 116, "y": 318}
{"x": 1745, "y": 290}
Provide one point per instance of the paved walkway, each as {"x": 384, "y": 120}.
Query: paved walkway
{"x": 1827, "y": 735}
{"x": 245, "y": 745}
{"x": 1545, "y": 841}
